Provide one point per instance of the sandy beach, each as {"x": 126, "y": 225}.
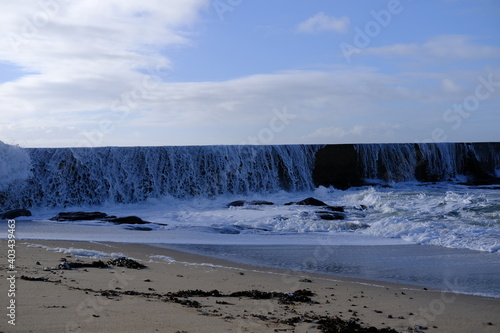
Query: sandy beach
{"x": 179, "y": 292}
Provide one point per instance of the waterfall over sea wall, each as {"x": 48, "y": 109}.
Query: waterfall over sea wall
{"x": 14, "y": 166}
{"x": 62, "y": 177}
{"x": 428, "y": 162}
{"x": 344, "y": 166}
{"x": 76, "y": 176}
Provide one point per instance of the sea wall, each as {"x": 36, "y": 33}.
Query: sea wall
{"x": 63, "y": 177}
{"x": 347, "y": 165}
{"x": 91, "y": 176}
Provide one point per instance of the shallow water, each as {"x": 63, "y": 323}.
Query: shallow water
{"x": 453, "y": 270}
{"x": 446, "y": 215}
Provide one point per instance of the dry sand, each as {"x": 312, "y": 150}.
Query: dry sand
{"x": 120, "y": 299}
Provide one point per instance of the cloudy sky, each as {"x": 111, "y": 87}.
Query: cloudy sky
{"x": 197, "y": 72}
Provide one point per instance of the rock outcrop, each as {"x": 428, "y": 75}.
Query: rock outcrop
{"x": 97, "y": 216}
{"x": 12, "y": 214}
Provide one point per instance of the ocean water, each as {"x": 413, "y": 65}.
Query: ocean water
{"x": 397, "y": 229}
{"x": 451, "y": 216}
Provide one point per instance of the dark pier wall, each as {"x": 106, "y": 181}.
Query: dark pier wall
{"x": 347, "y": 165}
{"x": 337, "y": 166}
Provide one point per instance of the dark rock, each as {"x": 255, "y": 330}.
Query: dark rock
{"x": 326, "y": 215}
{"x": 355, "y": 226}
{"x": 12, "y": 214}
{"x": 79, "y": 216}
{"x": 240, "y": 203}
{"x": 261, "y": 202}
{"x": 237, "y": 203}
{"x": 307, "y": 202}
{"x": 482, "y": 182}
{"x": 335, "y": 208}
{"x": 126, "y": 220}
{"x": 99, "y": 216}
{"x": 484, "y": 187}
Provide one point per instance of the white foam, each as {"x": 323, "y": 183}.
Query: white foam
{"x": 79, "y": 252}
{"x": 77, "y": 176}
{"x": 15, "y": 165}
{"x": 441, "y": 214}
{"x": 170, "y": 260}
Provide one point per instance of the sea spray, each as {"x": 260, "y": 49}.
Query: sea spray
{"x": 69, "y": 177}
{"x": 15, "y": 170}
{"x": 15, "y": 165}
{"x": 427, "y": 162}
{"x": 65, "y": 177}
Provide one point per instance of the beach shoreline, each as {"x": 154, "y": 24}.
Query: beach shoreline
{"x": 417, "y": 266}
{"x": 211, "y": 295}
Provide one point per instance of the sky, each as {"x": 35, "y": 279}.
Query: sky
{"x": 92, "y": 73}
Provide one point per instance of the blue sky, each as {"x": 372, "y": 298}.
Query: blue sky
{"x": 197, "y": 72}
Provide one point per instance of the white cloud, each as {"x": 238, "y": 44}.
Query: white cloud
{"x": 356, "y": 132}
{"x": 83, "y": 52}
{"x": 445, "y": 48}
{"x": 336, "y": 132}
{"x": 244, "y": 103}
{"x": 450, "y": 86}
{"x": 324, "y": 104}
{"x": 91, "y": 29}
{"x": 461, "y": 47}
{"x": 322, "y": 22}
{"x": 234, "y": 101}
{"x": 98, "y": 66}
